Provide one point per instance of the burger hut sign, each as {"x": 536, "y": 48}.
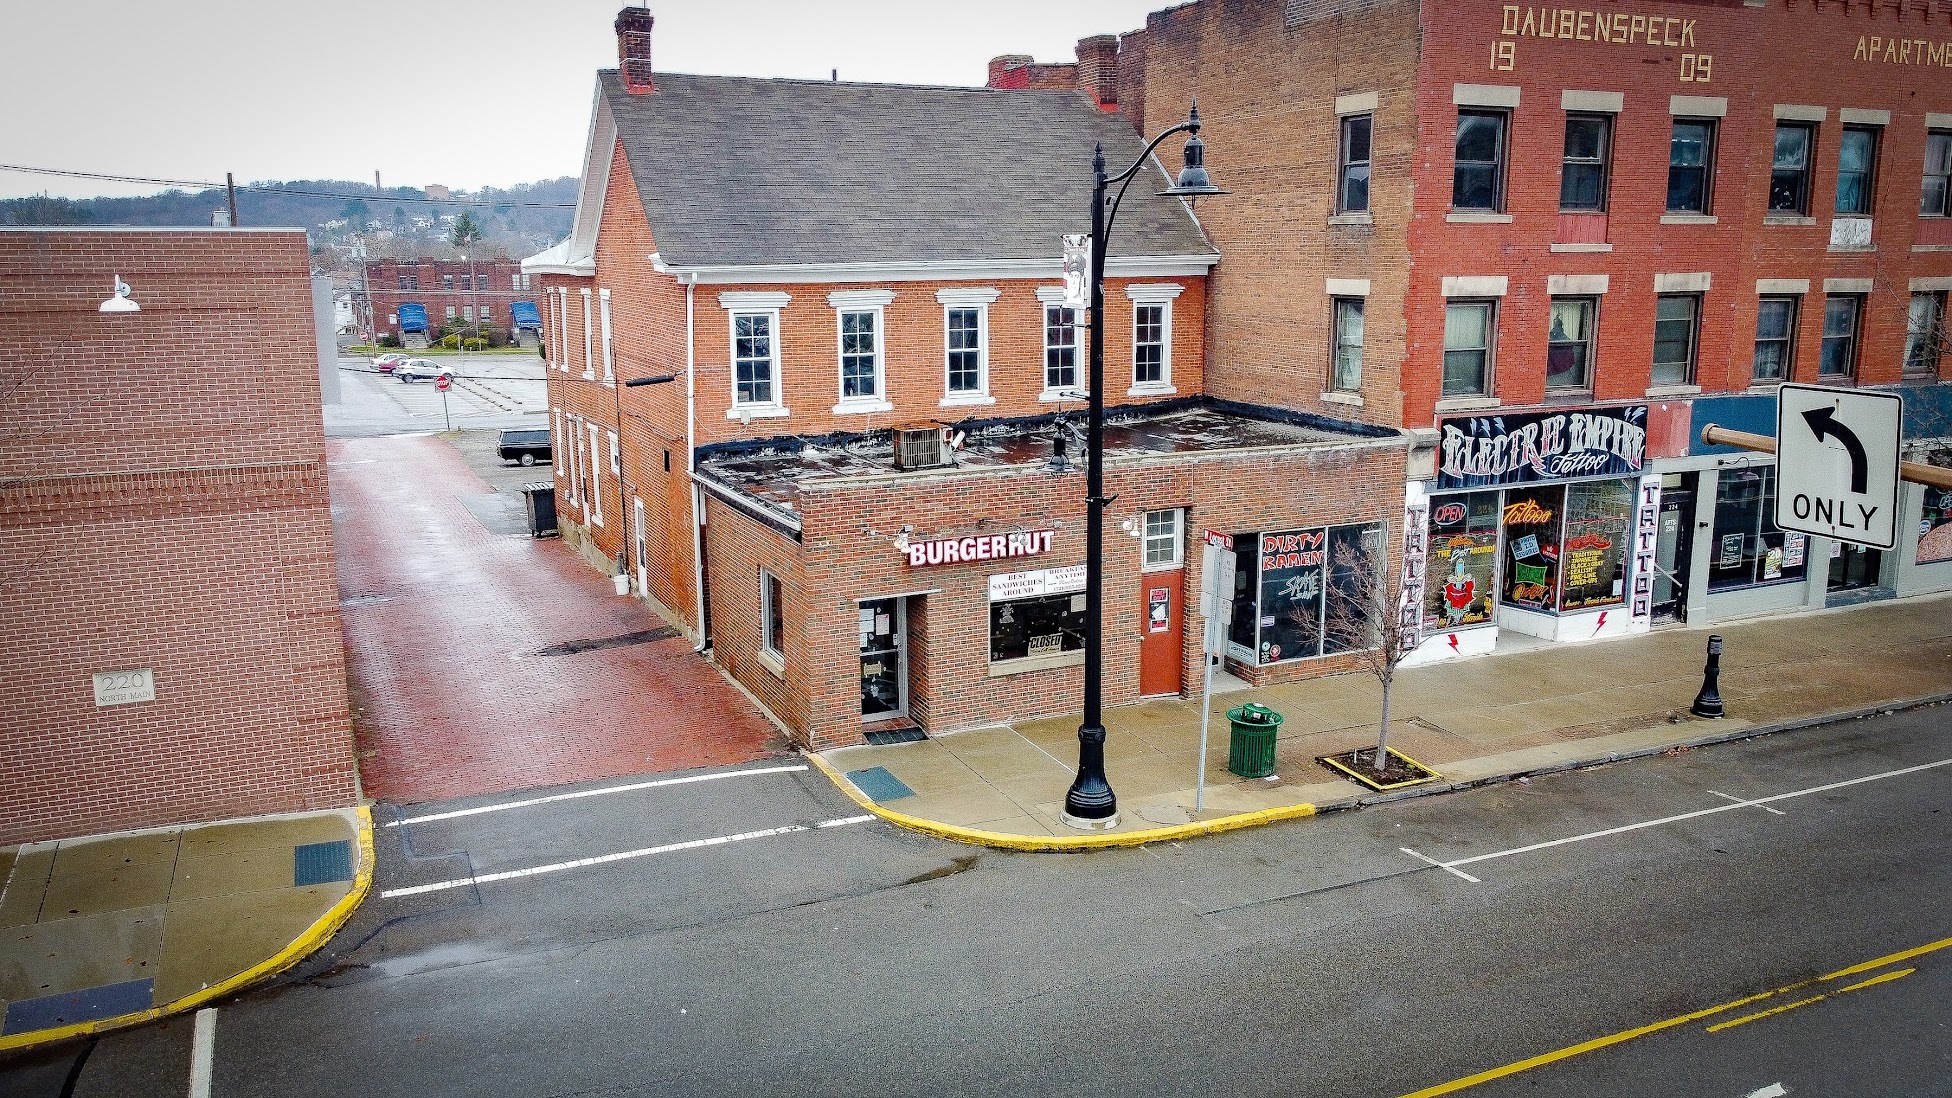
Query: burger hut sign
{"x": 978, "y": 547}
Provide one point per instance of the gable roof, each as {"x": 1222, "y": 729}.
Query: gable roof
{"x": 737, "y": 172}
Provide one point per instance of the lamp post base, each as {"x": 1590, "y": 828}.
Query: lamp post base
{"x": 1103, "y": 823}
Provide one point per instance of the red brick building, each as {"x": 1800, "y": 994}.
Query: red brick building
{"x": 168, "y": 598}
{"x": 844, "y": 476}
{"x": 434, "y": 292}
{"x": 1553, "y": 243}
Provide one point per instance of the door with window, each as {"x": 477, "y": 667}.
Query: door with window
{"x": 884, "y": 678}
{"x": 1163, "y": 622}
{"x": 1674, "y": 547}
{"x": 1854, "y": 567}
{"x": 643, "y": 546}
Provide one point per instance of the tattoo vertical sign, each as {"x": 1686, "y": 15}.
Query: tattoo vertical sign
{"x": 1646, "y": 538}
{"x": 1416, "y": 534}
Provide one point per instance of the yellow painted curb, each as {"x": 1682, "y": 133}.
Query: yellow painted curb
{"x": 1058, "y": 842}
{"x": 315, "y": 936}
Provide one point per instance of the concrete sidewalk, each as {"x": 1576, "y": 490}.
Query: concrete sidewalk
{"x": 1523, "y": 710}
{"x": 108, "y": 931}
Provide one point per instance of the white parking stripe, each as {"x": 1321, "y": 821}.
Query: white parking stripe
{"x": 506, "y": 805}
{"x": 1439, "y": 865}
{"x": 1451, "y": 865}
{"x": 1733, "y": 797}
{"x": 604, "y": 859}
{"x": 203, "y": 1050}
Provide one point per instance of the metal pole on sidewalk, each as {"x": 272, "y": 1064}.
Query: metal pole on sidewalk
{"x": 449, "y": 420}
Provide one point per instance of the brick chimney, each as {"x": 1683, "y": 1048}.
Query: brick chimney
{"x": 1098, "y": 69}
{"x": 634, "y": 49}
{"x": 1006, "y": 71}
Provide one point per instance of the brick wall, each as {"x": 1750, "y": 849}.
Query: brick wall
{"x": 499, "y": 292}
{"x": 165, "y": 507}
{"x": 847, "y": 555}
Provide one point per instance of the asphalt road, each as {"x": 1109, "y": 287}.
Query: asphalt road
{"x": 489, "y": 391}
{"x": 1315, "y": 957}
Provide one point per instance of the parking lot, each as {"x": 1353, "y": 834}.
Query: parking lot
{"x": 488, "y": 391}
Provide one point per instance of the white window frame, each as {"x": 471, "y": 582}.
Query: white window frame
{"x": 1160, "y": 294}
{"x": 589, "y": 339}
{"x": 1052, "y": 297}
{"x": 616, "y": 455}
{"x": 450, "y": 312}
{"x": 773, "y": 658}
{"x": 873, "y": 302}
{"x": 768, "y": 303}
{"x": 1176, "y": 530}
{"x": 609, "y": 357}
{"x": 596, "y": 476}
{"x": 575, "y": 432}
{"x": 560, "y": 345}
{"x": 979, "y": 299}
{"x": 555, "y": 444}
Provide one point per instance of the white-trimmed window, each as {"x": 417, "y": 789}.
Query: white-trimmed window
{"x": 560, "y": 346}
{"x": 596, "y": 475}
{"x": 589, "y": 339}
{"x": 1152, "y": 338}
{"x": 450, "y": 312}
{"x": 772, "y": 621}
{"x": 616, "y": 456}
{"x": 755, "y": 358}
{"x": 1063, "y": 372}
{"x": 859, "y": 318}
{"x": 609, "y": 357}
{"x": 966, "y": 344}
{"x": 559, "y": 451}
{"x": 1345, "y": 365}
{"x": 1164, "y": 545}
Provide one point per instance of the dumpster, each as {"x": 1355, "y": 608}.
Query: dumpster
{"x": 1250, "y": 747}
{"x": 541, "y": 502}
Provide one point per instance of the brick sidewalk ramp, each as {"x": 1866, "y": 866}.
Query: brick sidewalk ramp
{"x": 449, "y": 630}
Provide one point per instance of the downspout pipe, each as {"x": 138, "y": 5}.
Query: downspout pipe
{"x": 691, "y": 450}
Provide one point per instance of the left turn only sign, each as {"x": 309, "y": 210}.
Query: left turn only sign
{"x": 1837, "y": 463}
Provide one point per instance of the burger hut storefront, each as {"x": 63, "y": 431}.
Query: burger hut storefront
{"x": 1540, "y": 523}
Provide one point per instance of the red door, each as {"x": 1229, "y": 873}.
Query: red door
{"x": 1162, "y": 626}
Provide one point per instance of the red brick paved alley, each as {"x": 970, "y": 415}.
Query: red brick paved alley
{"x": 443, "y": 621}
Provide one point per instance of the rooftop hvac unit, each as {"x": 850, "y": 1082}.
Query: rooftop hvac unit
{"x": 921, "y": 447}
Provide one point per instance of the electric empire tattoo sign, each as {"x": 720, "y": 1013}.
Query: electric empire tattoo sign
{"x": 1527, "y": 448}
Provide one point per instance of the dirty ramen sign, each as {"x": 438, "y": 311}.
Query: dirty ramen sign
{"x": 1525, "y": 448}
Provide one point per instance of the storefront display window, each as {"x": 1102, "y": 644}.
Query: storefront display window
{"x": 1279, "y": 588}
{"x": 1532, "y": 517}
{"x": 1593, "y": 553}
{"x": 1748, "y": 548}
{"x": 1043, "y": 625}
{"x": 1935, "y": 528}
{"x": 1461, "y": 568}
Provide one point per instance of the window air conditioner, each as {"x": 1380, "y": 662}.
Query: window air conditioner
{"x": 921, "y": 447}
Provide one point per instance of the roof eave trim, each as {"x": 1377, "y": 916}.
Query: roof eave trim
{"x": 595, "y": 185}
{"x": 1130, "y": 266}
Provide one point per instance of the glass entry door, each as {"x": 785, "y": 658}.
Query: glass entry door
{"x": 1674, "y": 547}
{"x": 884, "y": 678}
{"x": 1854, "y": 567}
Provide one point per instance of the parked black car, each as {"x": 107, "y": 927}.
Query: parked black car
{"x": 527, "y": 445}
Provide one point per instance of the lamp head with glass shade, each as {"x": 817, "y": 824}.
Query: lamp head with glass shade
{"x": 1193, "y": 183}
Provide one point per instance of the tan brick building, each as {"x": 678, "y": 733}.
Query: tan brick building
{"x": 845, "y": 474}
{"x": 166, "y": 573}
{"x": 1553, "y": 243}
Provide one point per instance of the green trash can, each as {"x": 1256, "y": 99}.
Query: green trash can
{"x": 1250, "y": 748}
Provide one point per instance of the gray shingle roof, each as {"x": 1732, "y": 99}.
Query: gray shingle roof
{"x": 736, "y": 171}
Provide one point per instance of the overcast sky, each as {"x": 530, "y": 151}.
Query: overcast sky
{"x": 491, "y": 92}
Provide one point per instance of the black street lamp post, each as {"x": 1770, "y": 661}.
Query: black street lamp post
{"x": 1090, "y": 802}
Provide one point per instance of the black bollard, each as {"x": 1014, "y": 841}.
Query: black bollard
{"x": 1708, "y": 703}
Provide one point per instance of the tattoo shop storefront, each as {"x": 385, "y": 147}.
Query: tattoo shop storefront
{"x": 1541, "y": 523}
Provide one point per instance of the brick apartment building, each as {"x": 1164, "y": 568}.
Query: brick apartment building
{"x": 1553, "y": 243}
{"x": 847, "y": 476}
{"x": 405, "y": 297}
{"x": 167, "y": 593}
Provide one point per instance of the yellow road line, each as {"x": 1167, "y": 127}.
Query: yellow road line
{"x": 1761, "y": 1014}
{"x": 1623, "y": 1036}
{"x": 1880, "y": 978}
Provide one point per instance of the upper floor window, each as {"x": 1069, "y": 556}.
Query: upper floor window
{"x": 1925, "y": 332}
{"x": 1789, "y": 174}
{"x": 1352, "y": 173}
{"x": 1479, "y": 180}
{"x": 1676, "y": 322}
{"x": 1775, "y": 334}
{"x": 1690, "y": 165}
{"x": 1569, "y": 344}
{"x": 1856, "y": 170}
{"x": 1345, "y": 370}
{"x": 1148, "y": 345}
{"x": 447, "y": 282}
{"x": 965, "y": 350}
{"x": 966, "y": 338}
{"x": 860, "y": 355}
{"x": 1467, "y": 348}
{"x": 1839, "y": 357}
{"x": 1582, "y": 177}
{"x": 406, "y": 282}
{"x": 1060, "y": 348}
{"x": 1936, "y": 201}
{"x": 754, "y": 358}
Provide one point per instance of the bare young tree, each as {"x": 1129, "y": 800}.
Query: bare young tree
{"x": 1370, "y": 615}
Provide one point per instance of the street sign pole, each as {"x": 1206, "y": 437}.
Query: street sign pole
{"x": 442, "y": 383}
{"x": 1216, "y": 604}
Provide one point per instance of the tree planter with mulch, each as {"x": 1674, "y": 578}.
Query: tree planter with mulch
{"x": 1399, "y": 770}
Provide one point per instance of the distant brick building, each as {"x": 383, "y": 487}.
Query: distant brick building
{"x": 847, "y": 483}
{"x": 166, "y": 573}
{"x": 1555, "y": 242}
{"x": 402, "y": 295}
